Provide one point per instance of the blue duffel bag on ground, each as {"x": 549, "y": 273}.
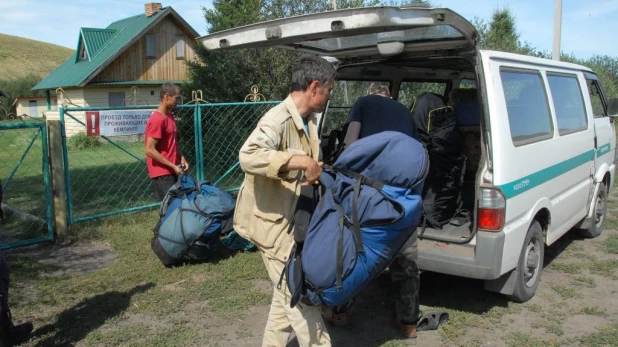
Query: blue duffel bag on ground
{"x": 190, "y": 220}
{"x": 370, "y": 208}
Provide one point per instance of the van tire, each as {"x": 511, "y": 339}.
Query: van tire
{"x": 597, "y": 224}
{"x": 530, "y": 266}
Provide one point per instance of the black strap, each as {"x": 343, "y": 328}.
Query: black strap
{"x": 355, "y": 220}
{"x": 339, "y": 255}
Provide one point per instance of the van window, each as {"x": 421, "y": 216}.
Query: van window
{"x": 466, "y": 83}
{"x": 343, "y": 96}
{"x": 568, "y": 103}
{"x": 527, "y": 106}
{"x": 598, "y": 109}
{"x": 408, "y": 91}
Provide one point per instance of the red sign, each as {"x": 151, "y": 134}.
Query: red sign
{"x": 93, "y": 124}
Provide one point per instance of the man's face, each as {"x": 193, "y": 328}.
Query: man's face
{"x": 321, "y": 95}
{"x": 171, "y": 100}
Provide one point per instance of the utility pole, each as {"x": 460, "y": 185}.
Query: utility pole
{"x": 557, "y": 29}
{"x": 334, "y": 3}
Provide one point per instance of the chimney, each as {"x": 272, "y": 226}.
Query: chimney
{"x": 152, "y": 8}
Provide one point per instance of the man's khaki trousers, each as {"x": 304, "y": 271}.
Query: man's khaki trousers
{"x": 305, "y": 321}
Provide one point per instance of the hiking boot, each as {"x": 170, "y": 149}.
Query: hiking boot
{"x": 21, "y": 333}
{"x": 408, "y": 330}
{"x": 337, "y": 319}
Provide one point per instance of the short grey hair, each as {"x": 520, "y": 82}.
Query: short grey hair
{"x": 168, "y": 88}
{"x": 311, "y": 68}
{"x": 378, "y": 88}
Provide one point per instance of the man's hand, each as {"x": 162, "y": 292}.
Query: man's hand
{"x": 312, "y": 171}
{"x": 178, "y": 170}
{"x": 184, "y": 164}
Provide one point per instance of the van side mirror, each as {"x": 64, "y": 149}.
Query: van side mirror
{"x": 612, "y": 108}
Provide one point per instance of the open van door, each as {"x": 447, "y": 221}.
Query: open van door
{"x": 360, "y": 34}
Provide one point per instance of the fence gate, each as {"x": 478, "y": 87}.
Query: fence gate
{"x": 26, "y": 187}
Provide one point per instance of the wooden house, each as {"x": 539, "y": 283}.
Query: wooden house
{"x": 123, "y": 64}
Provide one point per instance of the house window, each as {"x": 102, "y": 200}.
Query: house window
{"x": 150, "y": 46}
{"x": 180, "y": 47}
{"x": 116, "y": 98}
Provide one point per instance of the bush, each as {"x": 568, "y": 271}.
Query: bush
{"x": 83, "y": 141}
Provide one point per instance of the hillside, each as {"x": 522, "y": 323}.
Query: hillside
{"x": 20, "y": 57}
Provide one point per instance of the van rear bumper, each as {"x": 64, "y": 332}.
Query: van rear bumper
{"x": 482, "y": 262}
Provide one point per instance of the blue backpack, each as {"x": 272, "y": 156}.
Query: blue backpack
{"x": 190, "y": 221}
{"x": 371, "y": 207}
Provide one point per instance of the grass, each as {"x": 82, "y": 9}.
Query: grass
{"x": 20, "y": 57}
{"x": 566, "y": 292}
{"x": 568, "y": 268}
{"x": 594, "y": 311}
{"x": 135, "y": 285}
{"x": 606, "y": 336}
{"x": 611, "y": 244}
{"x": 519, "y": 339}
{"x": 585, "y": 281}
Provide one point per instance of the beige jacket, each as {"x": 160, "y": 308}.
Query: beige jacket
{"x": 267, "y": 198}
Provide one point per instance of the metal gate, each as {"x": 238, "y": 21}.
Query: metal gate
{"x": 26, "y": 186}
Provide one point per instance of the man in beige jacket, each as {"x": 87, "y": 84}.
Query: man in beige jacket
{"x": 280, "y": 155}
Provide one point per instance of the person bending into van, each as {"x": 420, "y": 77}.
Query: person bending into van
{"x": 371, "y": 114}
{"x": 280, "y": 155}
{"x": 163, "y": 157}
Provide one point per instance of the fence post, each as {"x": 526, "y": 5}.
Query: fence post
{"x": 56, "y": 162}
{"x": 199, "y": 152}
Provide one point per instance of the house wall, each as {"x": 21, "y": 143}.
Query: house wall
{"x": 23, "y": 107}
{"x": 99, "y": 96}
{"x": 133, "y": 65}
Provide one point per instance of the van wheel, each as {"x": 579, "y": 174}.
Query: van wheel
{"x": 600, "y": 209}
{"x": 530, "y": 265}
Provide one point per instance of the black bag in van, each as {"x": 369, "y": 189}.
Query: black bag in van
{"x": 438, "y": 131}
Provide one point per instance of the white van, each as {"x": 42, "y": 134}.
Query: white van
{"x": 540, "y": 148}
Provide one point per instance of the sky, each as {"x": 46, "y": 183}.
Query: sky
{"x": 586, "y": 25}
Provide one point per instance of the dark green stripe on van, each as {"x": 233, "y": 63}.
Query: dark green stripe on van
{"x": 526, "y": 183}
{"x": 603, "y": 150}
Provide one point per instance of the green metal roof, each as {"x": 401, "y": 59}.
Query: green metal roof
{"x": 95, "y": 39}
{"x": 103, "y": 46}
{"x": 134, "y": 83}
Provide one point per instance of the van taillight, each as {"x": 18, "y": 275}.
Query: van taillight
{"x": 492, "y": 206}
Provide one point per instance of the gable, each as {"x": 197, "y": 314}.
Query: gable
{"x": 159, "y": 55}
{"x": 102, "y": 47}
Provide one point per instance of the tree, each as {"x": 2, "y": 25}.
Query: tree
{"x": 228, "y": 75}
{"x": 18, "y": 87}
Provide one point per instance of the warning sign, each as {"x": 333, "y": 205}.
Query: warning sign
{"x": 116, "y": 122}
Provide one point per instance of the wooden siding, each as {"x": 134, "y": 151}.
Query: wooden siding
{"x": 99, "y": 96}
{"x": 133, "y": 65}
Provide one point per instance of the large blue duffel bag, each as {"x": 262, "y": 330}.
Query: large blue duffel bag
{"x": 370, "y": 208}
{"x": 190, "y": 220}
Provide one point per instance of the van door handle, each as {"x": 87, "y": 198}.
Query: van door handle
{"x": 595, "y": 142}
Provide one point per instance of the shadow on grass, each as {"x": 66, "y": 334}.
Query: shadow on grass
{"x": 88, "y": 315}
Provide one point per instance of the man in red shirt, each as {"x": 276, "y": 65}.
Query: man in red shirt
{"x": 165, "y": 162}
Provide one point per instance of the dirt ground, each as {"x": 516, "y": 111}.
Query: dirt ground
{"x": 576, "y": 304}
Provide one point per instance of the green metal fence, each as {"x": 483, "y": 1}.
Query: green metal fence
{"x": 108, "y": 175}
{"x": 26, "y": 188}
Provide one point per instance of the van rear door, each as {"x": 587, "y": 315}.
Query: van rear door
{"x": 359, "y": 34}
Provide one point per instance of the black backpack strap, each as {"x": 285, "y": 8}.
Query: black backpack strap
{"x": 355, "y": 220}
{"x": 305, "y": 206}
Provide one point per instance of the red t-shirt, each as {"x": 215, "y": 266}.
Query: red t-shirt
{"x": 162, "y": 128}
